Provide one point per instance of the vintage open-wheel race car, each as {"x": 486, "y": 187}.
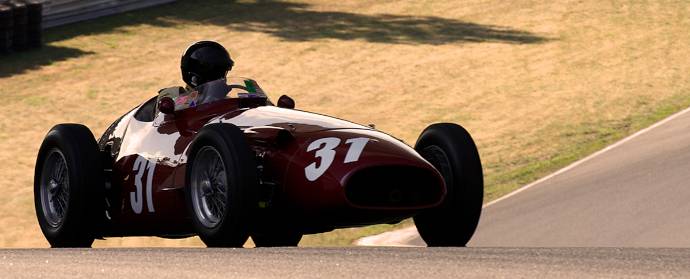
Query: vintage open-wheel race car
{"x": 224, "y": 163}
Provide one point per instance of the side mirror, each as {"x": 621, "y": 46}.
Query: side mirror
{"x": 286, "y": 102}
{"x": 166, "y": 105}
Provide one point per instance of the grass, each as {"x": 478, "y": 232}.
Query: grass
{"x": 538, "y": 84}
{"x": 592, "y": 137}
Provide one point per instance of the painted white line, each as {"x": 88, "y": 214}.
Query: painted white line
{"x": 402, "y": 236}
{"x": 396, "y": 238}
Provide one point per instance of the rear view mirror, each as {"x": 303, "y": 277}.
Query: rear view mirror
{"x": 286, "y": 102}
{"x": 166, "y": 105}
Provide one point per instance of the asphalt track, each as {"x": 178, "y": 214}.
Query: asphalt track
{"x": 357, "y": 262}
{"x": 635, "y": 193}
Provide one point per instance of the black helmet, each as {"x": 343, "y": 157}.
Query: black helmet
{"x": 205, "y": 61}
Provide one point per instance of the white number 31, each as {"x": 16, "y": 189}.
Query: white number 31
{"x": 135, "y": 198}
{"x": 325, "y": 149}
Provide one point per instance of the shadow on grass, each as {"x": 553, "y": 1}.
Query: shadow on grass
{"x": 19, "y": 62}
{"x": 285, "y": 20}
{"x": 296, "y": 22}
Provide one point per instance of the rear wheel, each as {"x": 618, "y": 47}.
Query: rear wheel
{"x": 221, "y": 180}
{"x": 68, "y": 186}
{"x": 450, "y": 148}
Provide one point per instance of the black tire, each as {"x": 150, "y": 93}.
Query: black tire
{"x": 450, "y": 148}
{"x": 231, "y": 229}
{"x": 69, "y": 210}
{"x": 277, "y": 239}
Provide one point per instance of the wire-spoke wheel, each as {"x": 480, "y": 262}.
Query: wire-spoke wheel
{"x": 221, "y": 177}
{"x": 451, "y": 150}
{"x": 55, "y": 188}
{"x": 68, "y": 187}
{"x": 209, "y": 186}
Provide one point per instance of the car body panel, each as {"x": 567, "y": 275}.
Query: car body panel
{"x": 148, "y": 159}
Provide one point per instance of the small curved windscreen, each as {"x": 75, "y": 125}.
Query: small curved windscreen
{"x": 212, "y": 91}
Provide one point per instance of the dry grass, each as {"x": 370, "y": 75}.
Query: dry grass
{"x": 538, "y": 83}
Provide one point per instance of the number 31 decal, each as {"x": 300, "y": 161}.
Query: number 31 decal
{"x": 135, "y": 198}
{"x": 325, "y": 149}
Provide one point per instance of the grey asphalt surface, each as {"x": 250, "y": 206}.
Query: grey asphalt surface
{"x": 358, "y": 262}
{"x": 634, "y": 195}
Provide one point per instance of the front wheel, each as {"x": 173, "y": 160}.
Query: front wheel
{"x": 222, "y": 179}
{"x": 451, "y": 150}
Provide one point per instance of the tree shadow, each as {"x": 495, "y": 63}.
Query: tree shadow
{"x": 284, "y": 20}
{"x": 20, "y": 62}
{"x": 296, "y": 22}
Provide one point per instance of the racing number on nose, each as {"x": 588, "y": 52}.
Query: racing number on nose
{"x": 135, "y": 198}
{"x": 325, "y": 151}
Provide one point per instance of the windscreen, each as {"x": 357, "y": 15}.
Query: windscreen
{"x": 212, "y": 91}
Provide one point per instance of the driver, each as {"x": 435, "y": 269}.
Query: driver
{"x": 205, "y": 61}
{"x": 202, "y": 62}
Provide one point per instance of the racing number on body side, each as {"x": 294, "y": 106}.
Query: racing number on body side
{"x": 325, "y": 150}
{"x": 135, "y": 198}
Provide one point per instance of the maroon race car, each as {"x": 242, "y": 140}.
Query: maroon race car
{"x": 224, "y": 163}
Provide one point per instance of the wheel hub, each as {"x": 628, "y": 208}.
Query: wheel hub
{"x": 206, "y": 188}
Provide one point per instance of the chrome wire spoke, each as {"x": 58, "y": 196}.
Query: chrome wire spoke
{"x": 58, "y": 201}
{"x": 221, "y": 197}
{"x": 217, "y": 167}
{"x": 60, "y": 173}
{"x": 56, "y": 172}
{"x": 63, "y": 174}
{"x": 219, "y": 190}
{"x": 218, "y": 200}
{"x": 208, "y": 204}
{"x": 214, "y": 208}
{"x": 217, "y": 210}
{"x": 220, "y": 182}
{"x": 54, "y": 189}
{"x": 60, "y": 208}
{"x": 221, "y": 206}
{"x": 65, "y": 186}
{"x": 209, "y": 191}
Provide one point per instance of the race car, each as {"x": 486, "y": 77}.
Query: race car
{"x": 221, "y": 161}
